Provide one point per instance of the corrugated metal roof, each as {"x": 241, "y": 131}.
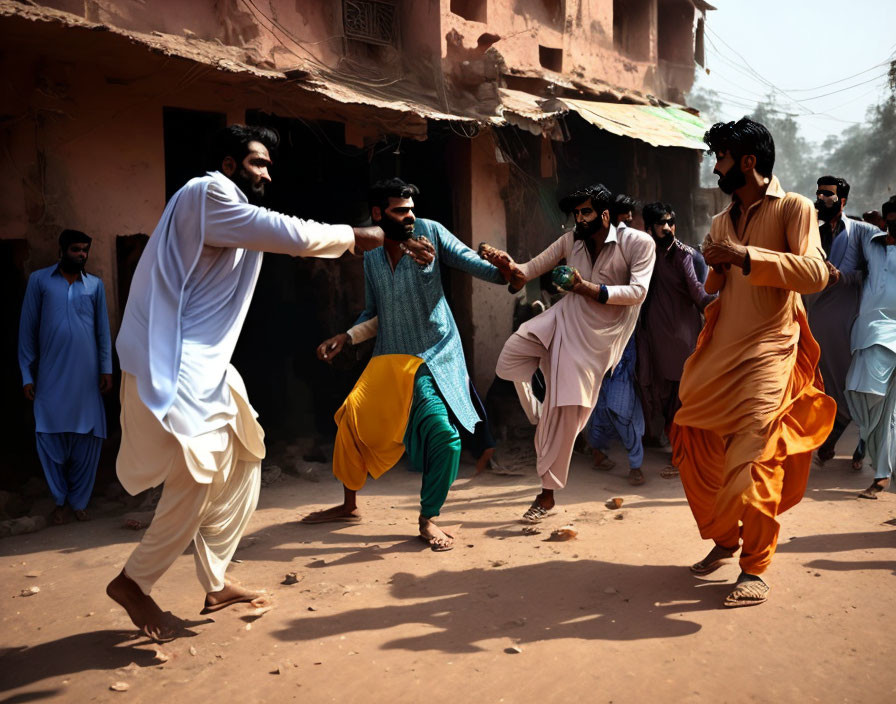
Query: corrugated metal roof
{"x": 411, "y": 110}
{"x": 658, "y": 126}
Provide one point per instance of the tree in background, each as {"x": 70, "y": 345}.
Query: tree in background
{"x": 863, "y": 154}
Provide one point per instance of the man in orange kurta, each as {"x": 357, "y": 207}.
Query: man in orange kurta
{"x": 753, "y": 402}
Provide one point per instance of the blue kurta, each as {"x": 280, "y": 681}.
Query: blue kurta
{"x": 414, "y": 317}
{"x": 64, "y": 346}
{"x": 871, "y": 380}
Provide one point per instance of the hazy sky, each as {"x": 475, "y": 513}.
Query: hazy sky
{"x": 800, "y": 46}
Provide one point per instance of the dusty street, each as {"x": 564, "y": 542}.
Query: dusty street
{"x": 611, "y": 616}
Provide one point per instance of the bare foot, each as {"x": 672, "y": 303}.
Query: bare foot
{"x": 233, "y": 594}
{"x": 482, "y": 464}
{"x": 713, "y": 560}
{"x": 82, "y": 515}
{"x": 601, "y": 461}
{"x": 337, "y": 514}
{"x": 435, "y": 537}
{"x": 160, "y": 626}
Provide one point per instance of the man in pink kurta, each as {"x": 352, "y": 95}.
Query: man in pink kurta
{"x": 577, "y": 340}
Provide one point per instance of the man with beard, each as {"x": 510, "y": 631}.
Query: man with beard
{"x": 831, "y": 312}
{"x": 415, "y": 391}
{"x": 65, "y": 356}
{"x": 579, "y": 339}
{"x": 752, "y": 402}
{"x": 871, "y": 379}
{"x": 186, "y": 420}
{"x": 670, "y": 322}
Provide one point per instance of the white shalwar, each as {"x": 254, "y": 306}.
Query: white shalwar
{"x": 186, "y": 419}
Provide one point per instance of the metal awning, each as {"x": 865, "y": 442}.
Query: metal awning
{"x": 658, "y": 126}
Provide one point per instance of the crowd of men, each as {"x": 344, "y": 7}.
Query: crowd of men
{"x": 747, "y": 357}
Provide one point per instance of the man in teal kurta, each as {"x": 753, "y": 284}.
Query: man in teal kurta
{"x": 417, "y": 332}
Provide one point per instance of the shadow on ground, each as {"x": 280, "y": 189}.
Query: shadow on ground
{"x": 583, "y": 599}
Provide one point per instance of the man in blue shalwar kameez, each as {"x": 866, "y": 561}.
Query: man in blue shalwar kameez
{"x": 65, "y": 355}
{"x": 415, "y": 392}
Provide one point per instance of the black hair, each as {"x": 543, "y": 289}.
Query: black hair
{"x": 654, "y": 212}
{"x": 233, "y": 141}
{"x": 622, "y": 204}
{"x": 888, "y": 207}
{"x": 840, "y": 183}
{"x": 743, "y": 137}
{"x": 69, "y": 237}
{"x": 380, "y": 192}
{"x": 601, "y": 198}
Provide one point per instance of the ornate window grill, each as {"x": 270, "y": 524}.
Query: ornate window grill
{"x": 370, "y": 21}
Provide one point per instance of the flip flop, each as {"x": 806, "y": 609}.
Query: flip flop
{"x": 748, "y": 593}
{"x": 434, "y": 543}
{"x": 536, "y": 514}
{"x": 212, "y": 608}
{"x": 703, "y": 568}
{"x": 872, "y": 491}
{"x": 334, "y": 519}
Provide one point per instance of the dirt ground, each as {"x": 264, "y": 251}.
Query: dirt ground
{"x": 611, "y": 616}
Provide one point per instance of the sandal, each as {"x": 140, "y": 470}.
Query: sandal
{"x": 535, "y": 514}
{"x": 437, "y": 544}
{"x": 751, "y": 592}
{"x": 636, "y": 477}
{"x": 705, "y": 566}
{"x": 877, "y": 486}
{"x": 670, "y": 471}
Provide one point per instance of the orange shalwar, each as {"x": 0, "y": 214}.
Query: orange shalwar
{"x": 753, "y": 403}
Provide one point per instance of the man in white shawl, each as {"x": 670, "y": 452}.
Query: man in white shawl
{"x": 186, "y": 420}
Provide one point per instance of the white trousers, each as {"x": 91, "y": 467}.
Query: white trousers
{"x": 557, "y": 426}
{"x": 212, "y": 516}
{"x": 211, "y": 513}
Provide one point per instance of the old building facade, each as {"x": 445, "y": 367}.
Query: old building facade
{"x": 490, "y": 106}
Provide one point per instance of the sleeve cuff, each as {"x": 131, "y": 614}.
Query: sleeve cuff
{"x": 346, "y": 234}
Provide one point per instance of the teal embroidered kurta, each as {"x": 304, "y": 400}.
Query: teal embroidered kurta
{"x": 414, "y": 317}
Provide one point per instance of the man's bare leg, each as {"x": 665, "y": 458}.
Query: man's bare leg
{"x": 484, "y": 458}
{"x": 439, "y": 540}
{"x": 142, "y": 609}
{"x": 346, "y": 512}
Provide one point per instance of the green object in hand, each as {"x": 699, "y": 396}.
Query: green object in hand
{"x": 563, "y": 277}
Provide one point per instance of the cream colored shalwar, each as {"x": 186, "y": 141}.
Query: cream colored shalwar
{"x": 577, "y": 340}
{"x": 211, "y": 486}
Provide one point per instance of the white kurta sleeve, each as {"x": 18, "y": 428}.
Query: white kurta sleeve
{"x": 640, "y": 254}
{"x": 366, "y": 330}
{"x": 232, "y": 223}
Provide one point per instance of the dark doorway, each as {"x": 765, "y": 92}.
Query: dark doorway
{"x": 16, "y": 415}
{"x": 128, "y": 249}
{"x": 187, "y": 135}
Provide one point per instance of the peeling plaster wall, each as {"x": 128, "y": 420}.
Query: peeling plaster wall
{"x": 84, "y": 148}
{"x": 583, "y": 30}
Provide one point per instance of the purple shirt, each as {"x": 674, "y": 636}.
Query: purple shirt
{"x": 671, "y": 317}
